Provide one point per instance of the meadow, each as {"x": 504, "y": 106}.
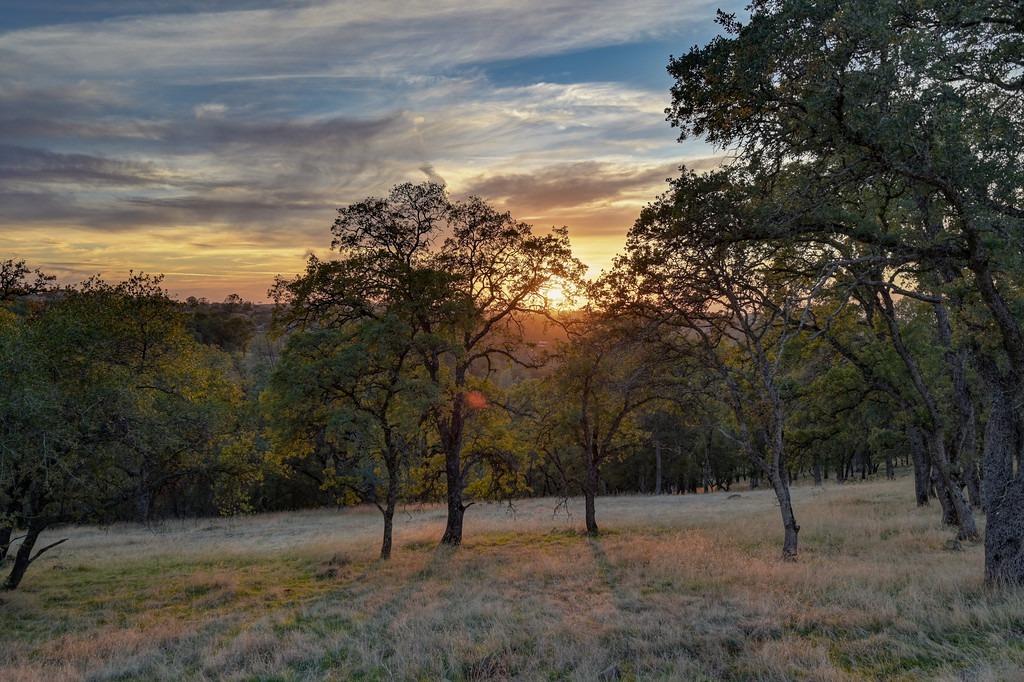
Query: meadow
{"x": 676, "y": 587}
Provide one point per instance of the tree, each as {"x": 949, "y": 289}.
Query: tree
{"x": 221, "y": 325}
{"x": 587, "y": 409}
{"x": 17, "y": 279}
{"x": 353, "y": 393}
{"x": 923, "y": 97}
{"x": 464, "y": 275}
{"x": 105, "y": 400}
{"x": 725, "y": 308}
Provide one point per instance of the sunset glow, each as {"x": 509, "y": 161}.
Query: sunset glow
{"x": 556, "y": 297}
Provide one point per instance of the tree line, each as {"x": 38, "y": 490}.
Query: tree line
{"x": 842, "y": 294}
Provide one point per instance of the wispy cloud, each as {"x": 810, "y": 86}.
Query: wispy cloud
{"x": 38, "y": 166}
{"x": 344, "y": 39}
{"x": 569, "y": 184}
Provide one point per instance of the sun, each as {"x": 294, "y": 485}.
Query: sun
{"x": 555, "y": 296}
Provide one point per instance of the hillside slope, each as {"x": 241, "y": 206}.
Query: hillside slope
{"x": 682, "y": 587}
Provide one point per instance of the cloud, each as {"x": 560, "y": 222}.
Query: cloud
{"x": 196, "y": 136}
{"x": 275, "y": 182}
{"x": 432, "y": 175}
{"x": 23, "y": 164}
{"x": 329, "y": 134}
{"x": 16, "y": 93}
{"x": 597, "y": 200}
{"x": 210, "y": 110}
{"x": 340, "y": 39}
{"x": 258, "y": 176}
{"x": 568, "y": 184}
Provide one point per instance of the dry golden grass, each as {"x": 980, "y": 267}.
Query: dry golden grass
{"x": 678, "y": 587}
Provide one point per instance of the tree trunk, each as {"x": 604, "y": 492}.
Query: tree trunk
{"x": 789, "y": 544}
{"x": 922, "y": 467}
{"x": 965, "y": 444}
{"x": 451, "y": 437}
{"x": 964, "y": 518}
{"x": 777, "y": 474}
{"x": 5, "y": 542}
{"x": 972, "y": 479}
{"x": 705, "y": 474}
{"x": 1002, "y": 492}
{"x": 1001, "y": 443}
{"x": 143, "y": 500}
{"x": 935, "y": 437}
{"x": 589, "y": 495}
{"x": 591, "y": 512}
{"x": 24, "y": 556}
{"x": 945, "y": 501}
{"x": 1004, "y": 535}
{"x": 816, "y": 472}
{"x": 389, "y": 519}
{"x": 389, "y": 507}
{"x": 890, "y": 469}
{"x": 456, "y": 510}
{"x": 657, "y": 468}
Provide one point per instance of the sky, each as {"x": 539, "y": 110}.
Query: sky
{"x": 212, "y": 140}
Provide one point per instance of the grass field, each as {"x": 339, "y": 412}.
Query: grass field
{"x": 678, "y": 587}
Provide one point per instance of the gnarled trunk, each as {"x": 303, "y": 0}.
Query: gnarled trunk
{"x": 865, "y": 462}
{"x": 591, "y": 512}
{"x": 935, "y": 432}
{"x": 964, "y": 517}
{"x": 789, "y": 544}
{"x": 453, "y": 470}
{"x": 1003, "y": 493}
{"x": 1001, "y": 444}
{"x": 1004, "y": 535}
{"x": 1002, "y": 490}
{"x": 23, "y": 557}
{"x": 949, "y": 517}
{"x": 456, "y": 509}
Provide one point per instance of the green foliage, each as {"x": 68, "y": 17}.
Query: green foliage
{"x": 107, "y": 401}
{"x": 587, "y": 412}
{"x": 343, "y": 403}
{"x": 457, "y": 282}
{"x": 228, "y": 331}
